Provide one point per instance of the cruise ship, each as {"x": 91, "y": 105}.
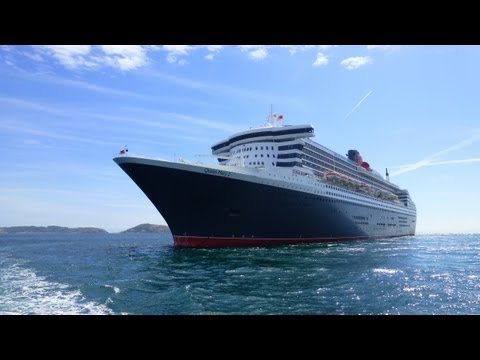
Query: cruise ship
{"x": 272, "y": 185}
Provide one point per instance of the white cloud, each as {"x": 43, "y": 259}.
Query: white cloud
{"x": 173, "y": 59}
{"x": 255, "y": 52}
{"x": 258, "y": 54}
{"x": 325, "y": 47}
{"x": 380, "y": 47}
{"x": 130, "y": 57}
{"x": 124, "y": 57}
{"x": 355, "y": 62}
{"x": 178, "y": 49}
{"x": 214, "y": 48}
{"x": 250, "y": 47}
{"x": 153, "y": 47}
{"x": 321, "y": 60}
{"x": 175, "y": 53}
{"x": 293, "y": 49}
{"x": 121, "y": 57}
{"x": 70, "y": 56}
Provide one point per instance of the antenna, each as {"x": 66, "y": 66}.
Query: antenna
{"x": 270, "y": 121}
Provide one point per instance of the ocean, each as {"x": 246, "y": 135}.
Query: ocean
{"x": 144, "y": 274}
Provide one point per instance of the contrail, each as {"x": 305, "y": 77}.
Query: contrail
{"x": 358, "y": 104}
{"x": 425, "y": 163}
{"x": 430, "y": 160}
{"x": 455, "y": 161}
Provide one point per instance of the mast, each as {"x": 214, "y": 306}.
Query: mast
{"x": 271, "y": 121}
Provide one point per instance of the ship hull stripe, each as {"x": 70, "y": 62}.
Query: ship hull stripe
{"x": 215, "y": 242}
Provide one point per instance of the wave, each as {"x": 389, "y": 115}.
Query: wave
{"x": 22, "y": 291}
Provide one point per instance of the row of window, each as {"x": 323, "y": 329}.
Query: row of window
{"x": 290, "y": 156}
{"x": 259, "y": 163}
{"x": 289, "y": 164}
{"x": 256, "y": 155}
{"x": 251, "y": 148}
{"x": 352, "y": 198}
{"x": 291, "y": 147}
{"x": 359, "y": 217}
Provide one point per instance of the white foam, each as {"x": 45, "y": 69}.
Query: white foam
{"x": 24, "y": 292}
{"x": 115, "y": 289}
{"x": 386, "y": 271}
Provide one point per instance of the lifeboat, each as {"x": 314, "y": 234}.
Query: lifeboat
{"x": 354, "y": 185}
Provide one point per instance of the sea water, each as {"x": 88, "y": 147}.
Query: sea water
{"x": 144, "y": 274}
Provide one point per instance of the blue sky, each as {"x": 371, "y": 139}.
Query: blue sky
{"x": 66, "y": 111}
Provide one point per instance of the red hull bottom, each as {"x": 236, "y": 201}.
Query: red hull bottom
{"x": 210, "y": 242}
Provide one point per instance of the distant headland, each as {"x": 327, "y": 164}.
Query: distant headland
{"x": 148, "y": 228}
{"x": 142, "y": 228}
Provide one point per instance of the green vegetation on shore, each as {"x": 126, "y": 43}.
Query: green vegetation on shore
{"x": 142, "y": 228}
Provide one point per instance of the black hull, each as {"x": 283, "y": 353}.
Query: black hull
{"x": 204, "y": 209}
